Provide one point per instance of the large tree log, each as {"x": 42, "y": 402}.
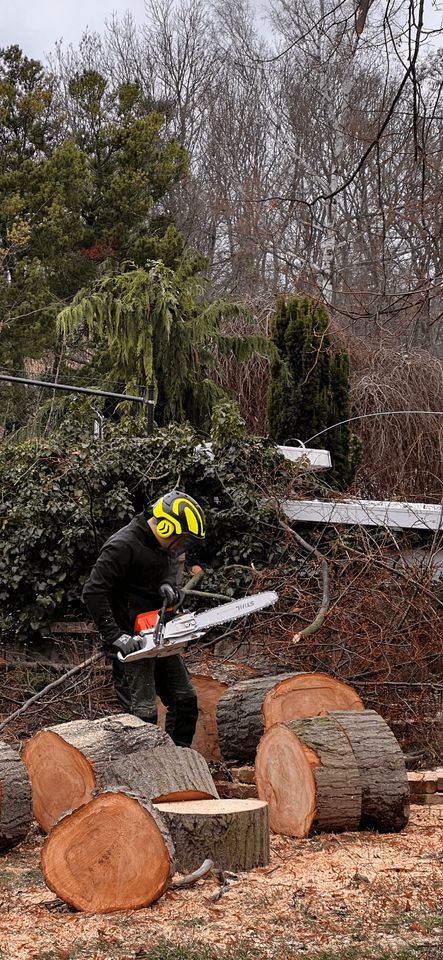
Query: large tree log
{"x": 165, "y": 774}
{"x": 307, "y": 773}
{"x": 15, "y": 798}
{"x": 382, "y": 769}
{"x": 61, "y": 759}
{"x": 113, "y": 853}
{"x": 252, "y": 706}
{"x": 232, "y": 833}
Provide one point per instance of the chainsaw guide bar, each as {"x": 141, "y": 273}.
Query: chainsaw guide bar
{"x": 179, "y": 631}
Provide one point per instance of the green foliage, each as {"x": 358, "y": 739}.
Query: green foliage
{"x": 309, "y": 385}
{"x": 227, "y": 425}
{"x": 152, "y": 325}
{"x": 79, "y": 192}
{"x": 61, "y": 498}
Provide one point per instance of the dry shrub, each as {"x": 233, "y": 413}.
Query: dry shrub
{"x": 402, "y": 452}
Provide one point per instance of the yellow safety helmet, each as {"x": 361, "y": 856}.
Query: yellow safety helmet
{"x": 178, "y": 513}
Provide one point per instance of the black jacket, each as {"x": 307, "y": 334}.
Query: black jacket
{"x": 125, "y": 579}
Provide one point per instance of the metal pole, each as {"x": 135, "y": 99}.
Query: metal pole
{"x": 150, "y": 411}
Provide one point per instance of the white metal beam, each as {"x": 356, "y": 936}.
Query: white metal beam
{"x": 368, "y": 513}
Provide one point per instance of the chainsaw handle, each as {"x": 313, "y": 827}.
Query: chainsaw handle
{"x": 157, "y": 636}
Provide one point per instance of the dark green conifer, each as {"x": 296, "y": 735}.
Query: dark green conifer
{"x": 309, "y": 385}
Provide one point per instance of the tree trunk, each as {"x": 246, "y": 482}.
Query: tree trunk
{"x": 113, "y": 853}
{"x": 15, "y": 798}
{"x": 232, "y": 833}
{"x": 61, "y": 759}
{"x": 382, "y": 769}
{"x": 164, "y": 774}
{"x": 307, "y": 772}
{"x": 252, "y": 706}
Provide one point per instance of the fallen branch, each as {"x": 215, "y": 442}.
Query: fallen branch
{"x": 51, "y": 686}
{"x": 192, "y": 878}
{"x": 318, "y": 621}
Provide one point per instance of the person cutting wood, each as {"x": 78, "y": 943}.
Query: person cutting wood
{"x": 136, "y": 571}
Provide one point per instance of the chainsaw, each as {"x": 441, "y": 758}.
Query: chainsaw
{"x": 162, "y": 637}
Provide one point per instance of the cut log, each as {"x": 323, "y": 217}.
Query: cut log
{"x": 164, "y": 774}
{"x": 113, "y": 853}
{"x": 382, "y": 769}
{"x": 307, "y": 773}
{"x": 232, "y": 833}
{"x": 250, "y": 707}
{"x": 15, "y": 798}
{"x": 60, "y": 759}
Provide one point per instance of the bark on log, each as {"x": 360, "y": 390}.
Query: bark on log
{"x": 250, "y": 707}
{"x": 61, "y": 759}
{"x": 113, "y": 853}
{"x": 165, "y": 774}
{"x": 382, "y": 769}
{"x": 307, "y": 773}
{"x": 232, "y": 833}
{"x": 15, "y": 798}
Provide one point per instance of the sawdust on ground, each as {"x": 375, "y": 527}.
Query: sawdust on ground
{"x": 327, "y": 891}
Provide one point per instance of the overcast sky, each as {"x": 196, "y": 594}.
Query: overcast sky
{"x": 35, "y": 25}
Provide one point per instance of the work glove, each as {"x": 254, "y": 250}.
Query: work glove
{"x": 170, "y": 593}
{"x": 127, "y": 644}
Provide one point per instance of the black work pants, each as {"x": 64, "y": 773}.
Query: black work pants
{"x": 137, "y": 685}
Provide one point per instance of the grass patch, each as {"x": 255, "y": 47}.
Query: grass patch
{"x": 165, "y": 950}
{"x": 377, "y": 953}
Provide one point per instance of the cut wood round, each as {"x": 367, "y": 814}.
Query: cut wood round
{"x": 250, "y": 707}
{"x": 113, "y": 853}
{"x": 15, "y": 798}
{"x": 382, "y": 769}
{"x": 232, "y": 833}
{"x": 307, "y": 773}
{"x": 60, "y": 759}
{"x": 164, "y": 774}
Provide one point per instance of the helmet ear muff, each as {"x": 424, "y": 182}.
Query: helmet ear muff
{"x": 165, "y": 527}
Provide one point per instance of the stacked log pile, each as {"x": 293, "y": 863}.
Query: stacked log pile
{"x": 124, "y": 808}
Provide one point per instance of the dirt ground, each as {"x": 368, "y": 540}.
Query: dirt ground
{"x": 350, "y": 892}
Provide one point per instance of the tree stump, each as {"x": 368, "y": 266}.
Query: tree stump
{"x": 165, "y": 774}
{"x": 15, "y": 798}
{"x": 250, "y": 707}
{"x": 61, "y": 759}
{"x": 113, "y": 853}
{"x": 307, "y": 773}
{"x": 382, "y": 769}
{"x": 232, "y": 833}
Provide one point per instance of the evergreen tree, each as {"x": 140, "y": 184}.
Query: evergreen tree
{"x": 151, "y": 324}
{"x": 309, "y": 385}
{"x": 78, "y": 195}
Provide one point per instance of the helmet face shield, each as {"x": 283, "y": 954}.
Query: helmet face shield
{"x": 179, "y": 514}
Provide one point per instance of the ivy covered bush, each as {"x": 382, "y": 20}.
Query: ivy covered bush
{"x": 62, "y": 497}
